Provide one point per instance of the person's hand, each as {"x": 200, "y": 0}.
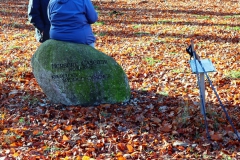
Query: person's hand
{"x": 41, "y": 38}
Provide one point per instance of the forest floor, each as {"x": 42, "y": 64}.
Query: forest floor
{"x": 162, "y": 120}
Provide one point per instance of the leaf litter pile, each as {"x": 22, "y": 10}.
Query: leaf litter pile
{"x": 162, "y": 120}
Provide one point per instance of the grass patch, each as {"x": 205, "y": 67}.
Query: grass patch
{"x": 151, "y": 61}
{"x": 178, "y": 70}
{"x": 115, "y": 13}
{"x": 100, "y": 23}
{"x": 96, "y": 7}
{"x": 202, "y": 17}
{"x": 234, "y": 74}
{"x": 159, "y": 41}
{"x": 236, "y": 28}
{"x": 231, "y": 16}
{"x": 163, "y": 93}
{"x": 19, "y": 35}
{"x": 5, "y": 10}
{"x": 14, "y": 47}
{"x": 228, "y": 17}
{"x": 52, "y": 149}
{"x": 31, "y": 99}
{"x": 21, "y": 120}
{"x": 164, "y": 21}
{"x": 137, "y": 26}
{"x": 187, "y": 29}
{"x": 173, "y": 53}
{"x": 102, "y": 34}
{"x": 15, "y": 25}
{"x": 142, "y": 33}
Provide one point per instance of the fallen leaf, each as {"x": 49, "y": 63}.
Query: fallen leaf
{"x": 156, "y": 120}
{"x": 121, "y": 146}
{"x": 35, "y": 132}
{"x": 68, "y": 128}
{"x": 5, "y": 131}
{"x": 55, "y": 127}
{"x": 65, "y": 138}
{"x": 78, "y": 157}
{"x": 85, "y": 158}
{"x": 66, "y": 158}
{"x": 121, "y": 158}
{"x": 217, "y": 137}
{"x": 13, "y": 144}
{"x": 15, "y": 154}
{"x": 166, "y": 128}
{"x": 130, "y": 148}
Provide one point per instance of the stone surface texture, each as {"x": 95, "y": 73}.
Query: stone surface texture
{"x": 77, "y": 74}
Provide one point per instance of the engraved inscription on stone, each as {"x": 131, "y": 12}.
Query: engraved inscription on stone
{"x": 74, "y": 66}
{"x": 73, "y": 77}
{"x": 78, "y": 66}
{"x": 69, "y": 66}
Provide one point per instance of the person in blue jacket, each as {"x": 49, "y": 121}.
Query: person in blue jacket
{"x": 37, "y": 15}
{"x": 71, "y": 21}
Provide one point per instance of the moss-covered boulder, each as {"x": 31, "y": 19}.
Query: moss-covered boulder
{"x": 77, "y": 74}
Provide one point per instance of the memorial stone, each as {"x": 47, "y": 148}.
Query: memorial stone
{"x": 77, "y": 74}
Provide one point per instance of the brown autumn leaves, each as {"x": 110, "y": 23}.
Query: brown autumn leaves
{"x": 162, "y": 119}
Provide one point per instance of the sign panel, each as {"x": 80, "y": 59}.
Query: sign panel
{"x": 206, "y": 63}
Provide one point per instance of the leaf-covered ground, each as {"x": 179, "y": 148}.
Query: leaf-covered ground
{"x": 162, "y": 120}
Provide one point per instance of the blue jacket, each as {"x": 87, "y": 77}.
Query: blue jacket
{"x": 37, "y": 15}
{"x": 71, "y": 20}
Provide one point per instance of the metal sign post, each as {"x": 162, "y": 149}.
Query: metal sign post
{"x": 208, "y": 66}
{"x": 201, "y": 68}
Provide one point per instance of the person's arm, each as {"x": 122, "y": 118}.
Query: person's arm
{"x": 34, "y": 14}
{"x": 49, "y": 12}
{"x": 91, "y": 14}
